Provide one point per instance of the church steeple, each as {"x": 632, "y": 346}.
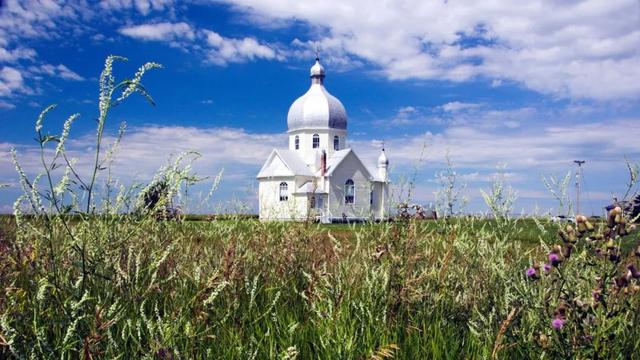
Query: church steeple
{"x": 317, "y": 72}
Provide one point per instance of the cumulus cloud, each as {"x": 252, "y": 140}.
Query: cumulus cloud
{"x": 542, "y": 148}
{"x": 6, "y": 105}
{"x": 59, "y": 70}
{"x": 145, "y": 149}
{"x": 223, "y": 50}
{"x": 142, "y": 6}
{"x": 163, "y": 31}
{"x": 11, "y": 81}
{"x": 13, "y": 55}
{"x": 569, "y": 49}
{"x": 457, "y": 105}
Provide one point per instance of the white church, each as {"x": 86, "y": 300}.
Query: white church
{"x": 320, "y": 177}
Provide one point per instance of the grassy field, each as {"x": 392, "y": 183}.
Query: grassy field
{"x": 89, "y": 271}
{"x": 141, "y": 288}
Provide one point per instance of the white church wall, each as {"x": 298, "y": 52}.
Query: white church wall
{"x": 350, "y": 168}
{"x": 326, "y": 141}
{"x": 271, "y": 208}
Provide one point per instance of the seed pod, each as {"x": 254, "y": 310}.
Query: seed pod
{"x": 622, "y": 230}
{"x": 570, "y": 229}
{"x": 589, "y": 226}
{"x": 573, "y": 238}
{"x": 568, "y": 251}
{"x": 599, "y": 237}
{"x": 618, "y": 219}
{"x": 563, "y": 236}
{"x": 632, "y": 228}
{"x": 611, "y": 219}
{"x": 617, "y": 210}
{"x": 581, "y": 219}
{"x": 582, "y": 227}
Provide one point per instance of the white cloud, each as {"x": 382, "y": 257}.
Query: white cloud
{"x": 11, "y": 81}
{"x": 145, "y": 149}
{"x": 39, "y": 18}
{"x": 215, "y": 48}
{"x": 16, "y": 54}
{"x": 537, "y": 149}
{"x": 163, "y": 31}
{"x": 143, "y": 6}
{"x": 457, "y": 105}
{"x": 223, "y": 50}
{"x": 569, "y": 49}
{"x": 59, "y": 70}
{"x": 6, "y": 105}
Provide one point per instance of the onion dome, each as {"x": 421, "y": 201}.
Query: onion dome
{"x": 317, "y": 109}
{"x": 382, "y": 159}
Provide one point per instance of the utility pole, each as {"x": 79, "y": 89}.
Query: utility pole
{"x": 578, "y": 179}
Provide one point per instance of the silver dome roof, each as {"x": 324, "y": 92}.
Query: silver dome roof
{"x": 317, "y": 109}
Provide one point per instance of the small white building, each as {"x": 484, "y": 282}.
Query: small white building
{"x": 319, "y": 177}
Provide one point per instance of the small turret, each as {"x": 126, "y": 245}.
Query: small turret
{"x": 383, "y": 164}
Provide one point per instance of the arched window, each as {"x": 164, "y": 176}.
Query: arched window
{"x": 316, "y": 141}
{"x": 349, "y": 191}
{"x": 371, "y": 197}
{"x": 296, "y": 142}
{"x": 336, "y": 143}
{"x": 284, "y": 191}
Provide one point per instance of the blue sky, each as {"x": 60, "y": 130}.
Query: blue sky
{"x": 532, "y": 85}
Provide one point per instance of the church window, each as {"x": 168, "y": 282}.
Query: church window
{"x": 371, "y": 197}
{"x": 349, "y": 192}
{"x": 336, "y": 143}
{"x": 284, "y": 191}
{"x": 297, "y": 142}
{"x": 316, "y": 141}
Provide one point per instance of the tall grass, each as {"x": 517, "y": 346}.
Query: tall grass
{"x": 88, "y": 279}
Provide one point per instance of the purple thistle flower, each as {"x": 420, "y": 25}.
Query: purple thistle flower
{"x": 557, "y": 323}
{"x": 546, "y": 267}
{"x": 596, "y": 295}
{"x": 531, "y": 272}
{"x": 554, "y": 259}
{"x": 633, "y": 272}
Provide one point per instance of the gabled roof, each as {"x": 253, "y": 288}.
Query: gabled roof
{"x": 309, "y": 188}
{"x": 288, "y": 158}
{"x": 334, "y": 161}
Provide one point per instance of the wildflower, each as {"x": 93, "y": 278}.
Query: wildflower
{"x": 546, "y": 267}
{"x": 614, "y": 256}
{"x": 621, "y": 282}
{"x": 568, "y": 251}
{"x": 596, "y": 295}
{"x": 557, "y": 323}
{"x": 633, "y": 272}
{"x": 532, "y": 273}
{"x": 554, "y": 259}
{"x": 164, "y": 354}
